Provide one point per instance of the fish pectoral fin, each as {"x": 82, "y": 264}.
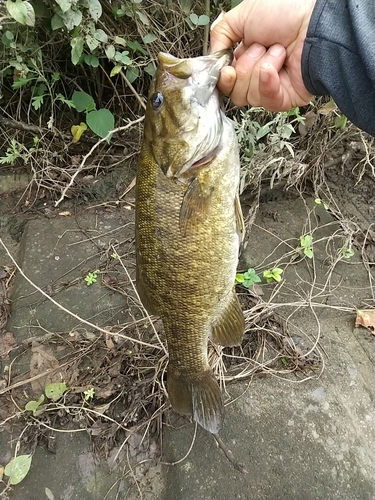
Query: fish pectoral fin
{"x": 199, "y": 396}
{"x": 195, "y": 205}
{"x": 239, "y": 218}
{"x": 229, "y": 328}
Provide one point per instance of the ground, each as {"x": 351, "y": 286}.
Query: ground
{"x": 299, "y": 401}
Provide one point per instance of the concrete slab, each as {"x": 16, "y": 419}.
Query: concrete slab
{"x": 311, "y": 440}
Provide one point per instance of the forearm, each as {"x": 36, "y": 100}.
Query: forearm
{"x": 339, "y": 57}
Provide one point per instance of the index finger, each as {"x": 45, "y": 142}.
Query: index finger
{"x": 222, "y": 34}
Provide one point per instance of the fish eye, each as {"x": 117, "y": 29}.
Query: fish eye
{"x": 157, "y": 100}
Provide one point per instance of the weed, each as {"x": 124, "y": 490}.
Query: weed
{"x": 91, "y": 278}
{"x": 274, "y": 274}
{"x": 248, "y": 278}
{"x": 305, "y": 246}
{"x": 89, "y": 394}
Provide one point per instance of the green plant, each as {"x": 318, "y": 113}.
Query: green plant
{"x": 305, "y": 245}
{"x": 248, "y": 278}
{"x": 318, "y": 201}
{"x": 274, "y": 274}
{"x": 18, "y": 151}
{"x": 91, "y": 278}
{"x": 101, "y": 121}
{"x": 89, "y": 394}
{"x": 266, "y": 137}
{"x": 347, "y": 253}
{"x": 35, "y": 406}
{"x": 55, "y": 391}
{"x": 18, "y": 468}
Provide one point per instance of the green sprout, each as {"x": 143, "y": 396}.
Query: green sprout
{"x": 91, "y": 277}
{"x": 274, "y": 274}
{"x": 248, "y": 278}
{"x": 306, "y": 245}
{"x": 89, "y": 394}
{"x": 347, "y": 253}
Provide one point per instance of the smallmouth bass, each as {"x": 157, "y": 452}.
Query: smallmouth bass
{"x": 189, "y": 227}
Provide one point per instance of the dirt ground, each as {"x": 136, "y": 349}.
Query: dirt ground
{"x": 299, "y": 391}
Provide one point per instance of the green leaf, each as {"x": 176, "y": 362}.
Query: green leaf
{"x": 149, "y": 38}
{"x": 92, "y": 43}
{"x": 71, "y": 18}
{"x": 57, "y": 22}
{"x": 340, "y": 121}
{"x": 37, "y": 101}
{"x": 308, "y": 252}
{"x": 347, "y": 253}
{"x": 142, "y": 17}
{"x": 123, "y": 58}
{"x": 22, "y": 12}
{"x": 101, "y": 36}
{"x": 95, "y": 9}
{"x": 34, "y": 405}
{"x": 115, "y": 70}
{"x": 55, "y": 391}
{"x": 91, "y": 60}
{"x": 150, "y": 69}
{"x": 305, "y": 241}
{"x": 82, "y": 101}
{"x": 100, "y": 122}
{"x": 110, "y": 51}
{"x": 68, "y": 102}
{"x": 120, "y": 41}
{"x": 132, "y": 74}
{"x": 239, "y": 279}
{"x": 203, "y": 20}
{"x": 136, "y": 46}
{"x": 18, "y": 468}
{"x": 77, "y": 49}
{"x": 64, "y": 4}
{"x": 194, "y": 18}
{"x": 7, "y": 38}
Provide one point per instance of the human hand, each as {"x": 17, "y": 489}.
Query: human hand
{"x": 266, "y": 70}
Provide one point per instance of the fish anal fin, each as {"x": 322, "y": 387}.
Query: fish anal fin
{"x": 197, "y": 395}
{"x": 229, "y": 328}
{"x": 195, "y": 205}
{"x": 239, "y": 218}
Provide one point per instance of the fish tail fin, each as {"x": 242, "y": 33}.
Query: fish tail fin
{"x": 199, "y": 396}
{"x": 229, "y": 328}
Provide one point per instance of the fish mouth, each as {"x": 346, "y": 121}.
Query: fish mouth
{"x": 185, "y": 68}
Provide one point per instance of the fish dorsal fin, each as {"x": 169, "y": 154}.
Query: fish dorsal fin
{"x": 239, "y": 218}
{"x": 195, "y": 205}
{"x": 229, "y": 328}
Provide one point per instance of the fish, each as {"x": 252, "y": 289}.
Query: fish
{"x": 189, "y": 227}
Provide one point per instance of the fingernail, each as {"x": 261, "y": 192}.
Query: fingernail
{"x": 277, "y": 50}
{"x": 256, "y": 50}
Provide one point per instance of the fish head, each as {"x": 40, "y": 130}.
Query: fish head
{"x": 184, "y": 122}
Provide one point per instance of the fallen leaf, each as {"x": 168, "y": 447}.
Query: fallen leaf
{"x": 366, "y": 318}
{"x": 77, "y": 131}
{"x": 66, "y": 213}
{"x": 42, "y": 360}
{"x": 7, "y": 344}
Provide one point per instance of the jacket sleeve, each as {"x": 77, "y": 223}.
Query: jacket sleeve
{"x": 338, "y": 57}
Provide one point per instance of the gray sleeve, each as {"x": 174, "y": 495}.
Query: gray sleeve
{"x": 338, "y": 57}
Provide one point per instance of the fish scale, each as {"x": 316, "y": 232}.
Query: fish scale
{"x": 188, "y": 230}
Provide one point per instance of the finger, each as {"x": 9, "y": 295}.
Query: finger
{"x": 227, "y": 80}
{"x": 225, "y": 32}
{"x": 244, "y": 73}
{"x": 271, "y": 93}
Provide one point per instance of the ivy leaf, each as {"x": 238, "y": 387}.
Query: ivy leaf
{"x": 57, "y": 22}
{"x": 71, "y": 18}
{"x": 136, "y": 46}
{"x": 101, "y": 36}
{"x": 55, "y": 391}
{"x": 142, "y": 17}
{"x": 64, "y": 4}
{"x": 83, "y": 101}
{"x": 120, "y": 41}
{"x": 194, "y": 18}
{"x": 22, "y": 12}
{"x": 77, "y": 49}
{"x": 92, "y": 61}
{"x": 149, "y": 38}
{"x": 132, "y": 74}
{"x": 203, "y": 20}
{"x": 92, "y": 43}
{"x": 17, "y": 468}
{"x": 110, "y": 51}
{"x": 150, "y": 69}
{"x": 95, "y": 9}
{"x": 100, "y": 122}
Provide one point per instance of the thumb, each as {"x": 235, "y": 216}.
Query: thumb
{"x": 222, "y": 35}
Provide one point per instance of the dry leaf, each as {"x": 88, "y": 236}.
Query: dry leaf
{"x": 66, "y": 213}
{"x": 366, "y": 318}
{"x": 7, "y": 344}
{"x": 42, "y": 360}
